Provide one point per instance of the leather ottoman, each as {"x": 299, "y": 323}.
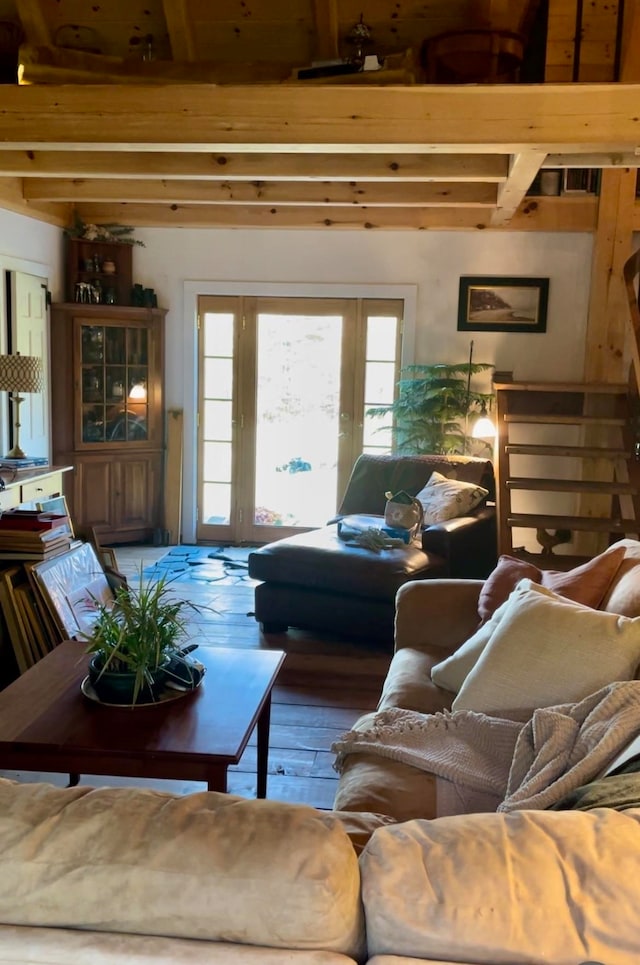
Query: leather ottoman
{"x": 316, "y": 581}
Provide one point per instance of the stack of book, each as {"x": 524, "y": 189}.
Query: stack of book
{"x": 29, "y": 462}
{"x": 32, "y": 535}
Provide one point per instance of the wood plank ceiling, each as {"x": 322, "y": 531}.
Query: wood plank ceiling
{"x": 188, "y": 112}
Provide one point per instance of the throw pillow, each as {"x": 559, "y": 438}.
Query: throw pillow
{"x": 619, "y": 791}
{"x": 623, "y": 595}
{"x": 548, "y": 650}
{"x": 587, "y": 584}
{"x": 451, "y": 673}
{"x": 444, "y": 498}
{"x": 501, "y": 581}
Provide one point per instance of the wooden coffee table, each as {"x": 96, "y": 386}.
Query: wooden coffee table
{"x": 47, "y": 724}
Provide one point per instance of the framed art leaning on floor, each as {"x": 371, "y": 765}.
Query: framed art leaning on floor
{"x": 73, "y": 586}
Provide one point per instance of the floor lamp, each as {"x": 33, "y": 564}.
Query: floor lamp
{"x": 19, "y": 373}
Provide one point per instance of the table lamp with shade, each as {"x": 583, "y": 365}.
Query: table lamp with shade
{"x": 18, "y": 374}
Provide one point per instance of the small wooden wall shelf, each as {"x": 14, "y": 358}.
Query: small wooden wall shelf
{"x": 86, "y": 261}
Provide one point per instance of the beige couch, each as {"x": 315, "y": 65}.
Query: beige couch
{"x": 433, "y": 619}
{"x": 115, "y": 876}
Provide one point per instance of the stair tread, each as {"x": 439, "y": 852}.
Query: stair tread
{"x": 587, "y": 524}
{"x": 549, "y": 406}
{"x": 593, "y": 388}
{"x": 561, "y": 419}
{"x": 580, "y": 452}
{"x": 570, "y": 485}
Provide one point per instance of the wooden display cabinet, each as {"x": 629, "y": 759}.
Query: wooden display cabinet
{"x": 86, "y": 261}
{"x": 107, "y": 367}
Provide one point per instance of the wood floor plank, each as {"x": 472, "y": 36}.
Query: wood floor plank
{"x": 314, "y": 716}
{"x": 325, "y": 697}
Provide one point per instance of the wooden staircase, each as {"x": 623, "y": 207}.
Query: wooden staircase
{"x": 566, "y": 461}
{"x": 568, "y": 456}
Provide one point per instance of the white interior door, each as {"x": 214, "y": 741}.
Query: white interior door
{"x": 29, "y": 336}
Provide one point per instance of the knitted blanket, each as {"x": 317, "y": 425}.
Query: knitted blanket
{"x": 530, "y": 766}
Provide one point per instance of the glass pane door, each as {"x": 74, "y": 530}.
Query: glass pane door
{"x": 217, "y": 423}
{"x": 298, "y": 418}
{"x": 284, "y": 385}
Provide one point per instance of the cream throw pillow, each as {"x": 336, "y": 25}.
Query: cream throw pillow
{"x": 547, "y": 650}
{"x": 452, "y": 672}
{"x": 444, "y": 498}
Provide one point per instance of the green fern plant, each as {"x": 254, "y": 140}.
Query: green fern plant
{"x": 432, "y": 406}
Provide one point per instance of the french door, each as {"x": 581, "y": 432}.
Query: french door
{"x": 283, "y": 389}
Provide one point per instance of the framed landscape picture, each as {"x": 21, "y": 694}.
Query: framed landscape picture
{"x": 502, "y": 304}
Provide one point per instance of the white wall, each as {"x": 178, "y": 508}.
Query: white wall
{"x": 32, "y": 246}
{"x": 431, "y": 261}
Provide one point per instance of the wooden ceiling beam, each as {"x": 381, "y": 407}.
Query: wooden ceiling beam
{"x": 12, "y": 198}
{"x": 613, "y": 159}
{"x": 539, "y": 215}
{"x": 431, "y": 194}
{"x": 522, "y": 171}
{"x": 488, "y": 168}
{"x": 180, "y": 28}
{"x": 509, "y": 118}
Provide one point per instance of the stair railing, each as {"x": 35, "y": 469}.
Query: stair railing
{"x": 631, "y": 272}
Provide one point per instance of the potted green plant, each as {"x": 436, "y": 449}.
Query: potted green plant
{"x": 432, "y": 407}
{"x": 133, "y": 640}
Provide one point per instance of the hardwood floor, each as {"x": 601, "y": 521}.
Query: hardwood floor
{"x": 324, "y": 686}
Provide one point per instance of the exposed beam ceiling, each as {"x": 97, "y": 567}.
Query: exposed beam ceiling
{"x": 183, "y": 112}
{"x": 410, "y": 157}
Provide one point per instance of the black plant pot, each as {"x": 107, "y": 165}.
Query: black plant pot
{"x": 118, "y": 687}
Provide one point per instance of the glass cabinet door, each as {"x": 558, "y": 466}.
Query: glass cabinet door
{"x": 114, "y": 383}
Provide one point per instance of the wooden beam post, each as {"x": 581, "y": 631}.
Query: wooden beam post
{"x": 34, "y": 23}
{"x": 605, "y": 357}
{"x": 630, "y": 59}
{"x": 326, "y": 21}
{"x": 180, "y": 29}
{"x": 173, "y": 477}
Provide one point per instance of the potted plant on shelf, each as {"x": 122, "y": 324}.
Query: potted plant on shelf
{"x": 120, "y": 233}
{"x": 136, "y": 641}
